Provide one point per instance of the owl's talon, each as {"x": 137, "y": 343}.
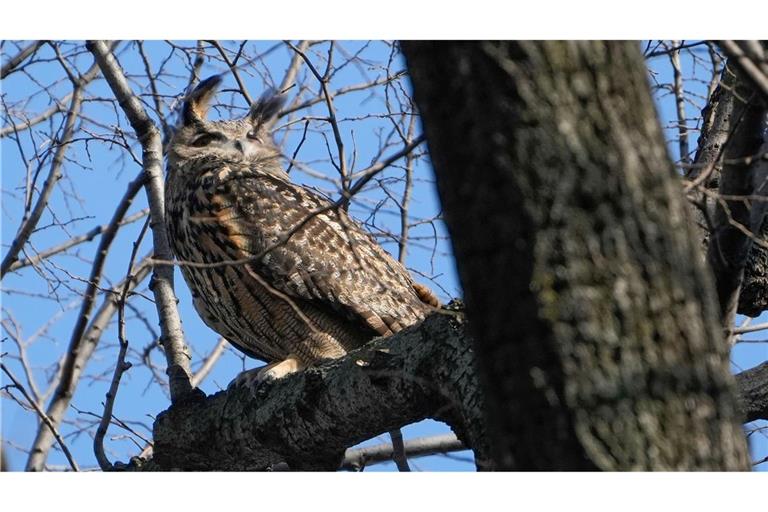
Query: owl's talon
{"x": 251, "y": 379}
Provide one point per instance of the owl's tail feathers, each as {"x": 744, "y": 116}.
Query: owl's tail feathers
{"x": 425, "y": 295}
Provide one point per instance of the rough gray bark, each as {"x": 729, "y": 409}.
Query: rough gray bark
{"x": 737, "y": 221}
{"x": 753, "y": 392}
{"x": 424, "y": 372}
{"x": 308, "y": 419}
{"x": 732, "y": 133}
{"x": 753, "y": 298}
{"x": 718, "y": 119}
{"x": 596, "y": 329}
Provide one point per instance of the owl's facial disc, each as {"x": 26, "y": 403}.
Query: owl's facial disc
{"x": 247, "y": 147}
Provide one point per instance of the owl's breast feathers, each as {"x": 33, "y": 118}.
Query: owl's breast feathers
{"x": 300, "y": 252}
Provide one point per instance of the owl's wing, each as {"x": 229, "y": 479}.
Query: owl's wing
{"x": 304, "y": 248}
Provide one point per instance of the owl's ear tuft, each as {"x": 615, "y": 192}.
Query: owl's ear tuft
{"x": 198, "y": 101}
{"x": 265, "y": 109}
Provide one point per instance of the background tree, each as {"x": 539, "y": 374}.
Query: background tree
{"x": 615, "y": 359}
{"x": 350, "y": 103}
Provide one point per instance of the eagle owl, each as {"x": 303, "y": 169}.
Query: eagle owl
{"x": 286, "y": 277}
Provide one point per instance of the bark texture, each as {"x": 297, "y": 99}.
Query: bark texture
{"x": 307, "y": 420}
{"x": 753, "y": 392}
{"x": 596, "y": 328}
{"x": 723, "y": 171}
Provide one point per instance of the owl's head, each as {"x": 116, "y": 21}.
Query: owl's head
{"x": 239, "y": 140}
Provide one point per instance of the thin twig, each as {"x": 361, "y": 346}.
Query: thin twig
{"x": 679, "y": 92}
{"x": 42, "y": 116}
{"x": 43, "y": 417}
{"x": 293, "y": 68}
{"x": 209, "y": 362}
{"x": 750, "y": 328}
{"x": 76, "y": 240}
{"x": 54, "y": 175}
{"x": 342, "y": 165}
{"x": 233, "y": 69}
{"x": 121, "y": 366}
{"x": 667, "y": 50}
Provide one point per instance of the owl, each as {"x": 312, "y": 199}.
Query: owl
{"x": 275, "y": 268}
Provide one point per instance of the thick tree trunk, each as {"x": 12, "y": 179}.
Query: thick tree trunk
{"x": 596, "y": 328}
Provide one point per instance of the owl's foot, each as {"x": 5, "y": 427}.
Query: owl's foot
{"x": 252, "y": 378}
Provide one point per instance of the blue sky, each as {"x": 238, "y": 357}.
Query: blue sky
{"x": 103, "y": 175}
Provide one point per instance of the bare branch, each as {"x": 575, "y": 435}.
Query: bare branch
{"x": 293, "y": 68}
{"x": 342, "y": 165}
{"x": 10, "y": 65}
{"x": 76, "y": 240}
{"x": 54, "y": 175}
{"x": 27, "y": 123}
{"x": 176, "y": 351}
{"x": 77, "y": 361}
{"x": 753, "y": 392}
{"x": 751, "y": 58}
{"x": 43, "y": 417}
{"x": 233, "y": 68}
{"x": 121, "y": 366}
{"x": 679, "y": 91}
{"x": 83, "y": 80}
{"x": 209, "y": 362}
{"x": 398, "y": 451}
{"x": 358, "y": 459}
{"x": 342, "y": 91}
{"x": 674, "y": 48}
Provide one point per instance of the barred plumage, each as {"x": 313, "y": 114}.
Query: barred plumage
{"x": 291, "y": 300}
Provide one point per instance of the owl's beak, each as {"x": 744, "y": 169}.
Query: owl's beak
{"x": 245, "y": 147}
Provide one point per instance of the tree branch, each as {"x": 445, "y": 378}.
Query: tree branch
{"x": 357, "y": 459}
{"x": 121, "y": 366}
{"x": 54, "y": 175}
{"x": 43, "y": 418}
{"x": 308, "y": 419}
{"x": 753, "y": 392}
{"x": 20, "y": 57}
{"x": 75, "y": 240}
{"x": 751, "y": 58}
{"x": 729, "y": 247}
{"x": 176, "y": 351}
{"x": 77, "y": 361}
